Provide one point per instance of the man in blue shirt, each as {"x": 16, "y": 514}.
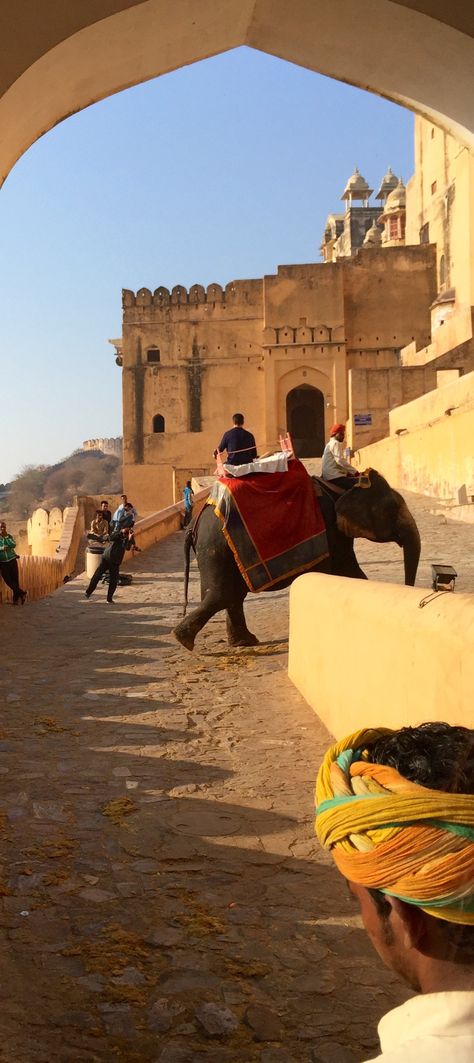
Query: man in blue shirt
{"x": 239, "y": 444}
{"x": 120, "y": 512}
{"x": 188, "y": 496}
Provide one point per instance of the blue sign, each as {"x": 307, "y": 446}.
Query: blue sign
{"x": 361, "y": 419}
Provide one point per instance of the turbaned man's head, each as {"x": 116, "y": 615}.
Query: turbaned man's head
{"x": 396, "y": 811}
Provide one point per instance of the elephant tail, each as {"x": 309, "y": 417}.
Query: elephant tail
{"x": 188, "y": 546}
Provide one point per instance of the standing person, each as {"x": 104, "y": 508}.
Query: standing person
{"x": 9, "y": 564}
{"x": 120, "y": 511}
{"x": 239, "y": 444}
{"x": 188, "y": 495}
{"x": 106, "y": 513}
{"x": 396, "y": 811}
{"x": 335, "y": 466}
{"x": 127, "y": 521}
{"x": 120, "y": 541}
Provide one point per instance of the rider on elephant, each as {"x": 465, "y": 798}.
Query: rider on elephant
{"x": 335, "y": 467}
{"x": 239, "y": 444}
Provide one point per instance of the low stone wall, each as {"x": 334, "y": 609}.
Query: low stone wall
{"x": 432, "y": 453}
{"x": 157, "y": 526}
{"x": 38, "y": 575}
{"x": 41, "y": 576}
{"x": 419, "y": 667}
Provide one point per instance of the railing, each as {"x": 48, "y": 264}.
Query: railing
{"x": 38, "y": 575}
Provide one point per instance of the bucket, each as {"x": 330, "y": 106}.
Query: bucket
{"x": 93, "y": 558}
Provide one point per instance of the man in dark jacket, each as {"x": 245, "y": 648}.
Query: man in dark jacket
{"x": 239, "y": 444}
{"x": 119, "y": 541}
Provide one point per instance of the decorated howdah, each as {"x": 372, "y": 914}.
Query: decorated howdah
{"x": 272, "y": 524}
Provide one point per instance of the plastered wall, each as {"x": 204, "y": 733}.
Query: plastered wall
{"x": 430, "y": 451}
{"x": 440, "y": 196}
{"x": 420, "y": 668}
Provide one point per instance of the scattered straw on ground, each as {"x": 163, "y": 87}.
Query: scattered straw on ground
{"x": 49, "y": 725}
{"x": 118, "y": 809}
{"x": 51, "y": 849}
{"x": 198, "y": 921}
{"x": 111, "y": 954}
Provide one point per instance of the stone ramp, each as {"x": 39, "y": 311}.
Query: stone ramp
{"x": 163, "y": 896}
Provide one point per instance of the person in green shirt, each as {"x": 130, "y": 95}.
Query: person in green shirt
{"x": 9, "y": 564}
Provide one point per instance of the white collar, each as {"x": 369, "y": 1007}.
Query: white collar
{"x": 429, "y": 1014}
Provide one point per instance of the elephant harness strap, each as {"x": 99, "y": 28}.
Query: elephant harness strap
{"x": 325, "y": 487}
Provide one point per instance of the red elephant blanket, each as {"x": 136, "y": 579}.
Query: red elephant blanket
{"x": 272, "y": 523}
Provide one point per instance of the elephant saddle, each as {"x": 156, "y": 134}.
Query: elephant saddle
{"x": 272, "y": 523}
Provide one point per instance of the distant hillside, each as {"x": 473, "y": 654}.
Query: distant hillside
{"x": 83, "y": 473}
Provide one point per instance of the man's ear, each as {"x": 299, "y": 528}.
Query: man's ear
{"x": 411, "y": 922}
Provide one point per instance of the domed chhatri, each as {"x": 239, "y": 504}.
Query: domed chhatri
{"x": 393, "y": 216}
{"x": 397, "y": 200}
{"x": 357, "y": 188}
{"x": 387, "y": 185}
{"x": 373, "y": 236}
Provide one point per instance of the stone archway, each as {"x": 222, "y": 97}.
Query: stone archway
{"x": 305, "y": 420}
{"x": 57, "y": 64}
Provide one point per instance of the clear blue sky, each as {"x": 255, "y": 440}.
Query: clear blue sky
{"x": 224, "y": 169}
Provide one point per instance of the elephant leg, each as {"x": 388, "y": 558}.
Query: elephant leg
{"x": 238, "y": 633}
{"x": 344, "y": 561}
{"x": 185, "y": 632}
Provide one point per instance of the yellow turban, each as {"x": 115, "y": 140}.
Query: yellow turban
{"x": 389, "y": 834}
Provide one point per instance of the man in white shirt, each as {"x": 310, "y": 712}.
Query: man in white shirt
{"x": 396, "y": 810}
{"x": 335, "y": 466}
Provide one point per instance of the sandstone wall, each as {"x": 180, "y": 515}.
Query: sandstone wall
{"x": 191, "y": 358}
{"x": 430, "y": 449}
{"x": 422, "y": 668}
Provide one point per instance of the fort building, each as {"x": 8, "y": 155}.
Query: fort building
{"x": 380, "y": 322}
{"x": 280, "y": 348}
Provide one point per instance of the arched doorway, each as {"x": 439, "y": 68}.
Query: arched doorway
{"x": 305, "y": 420}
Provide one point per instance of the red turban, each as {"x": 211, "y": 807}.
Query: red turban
{"x": 337, "y": 428}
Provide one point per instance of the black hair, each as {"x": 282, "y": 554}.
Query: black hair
{"x": 238, "y": 418}
{"x": 104, "y": 502}
{"x": 440, "y": 757}
{"x": 435, "y": 755}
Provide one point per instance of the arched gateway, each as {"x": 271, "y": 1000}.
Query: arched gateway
{"x": 305, "y": 420}
{"x": 63, "y": 61}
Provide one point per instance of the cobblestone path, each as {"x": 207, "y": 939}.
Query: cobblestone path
{"x": 163, "y": 898}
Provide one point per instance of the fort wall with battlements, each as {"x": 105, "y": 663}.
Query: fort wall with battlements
{"x": 112, "y": 445}
{"x": 277, "y": 348}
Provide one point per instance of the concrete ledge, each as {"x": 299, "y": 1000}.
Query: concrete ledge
{"x": 364, "y": 654}
{"x": 150, "y": 530}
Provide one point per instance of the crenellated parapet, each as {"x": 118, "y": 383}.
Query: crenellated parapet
{"x": 111, "y": 445}
{"x": 214, "y": 295}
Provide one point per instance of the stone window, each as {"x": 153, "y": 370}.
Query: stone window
{"x": 425, "y": 233}
{"x": 394, "y": 229}
{"x": 434, "y": 187}
{"x": 158, "y": 423}
{"x": 153, "y": 354}
{"x": 442, "y": 271}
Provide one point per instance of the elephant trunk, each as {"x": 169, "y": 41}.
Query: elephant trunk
{"x": 409, "y": 540}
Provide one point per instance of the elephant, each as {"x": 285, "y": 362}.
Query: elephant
{"x": 371, "y": 510}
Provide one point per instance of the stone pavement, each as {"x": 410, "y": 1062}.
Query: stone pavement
{"x": 163, "y": 897}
